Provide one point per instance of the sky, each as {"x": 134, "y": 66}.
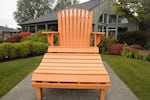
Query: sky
{"x": 7, "y": 7}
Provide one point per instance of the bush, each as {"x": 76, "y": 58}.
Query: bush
{"x": 147, "y": 57}
{"x": 21, "y": 50}
{"x": 105, "y": 44}
{"x": 2, "y": 56}
{"x": 115, "y": 49}
{"x": 147, "y": 46}
{"x": 38, "y": 48}
{"x": 25, "y": 34}
{"x": 131, "y": 53}
{"x": 15, "y": 38}
{"x": 1, "y": 39}
{"x": 132, "y": 38}
{"x": 38, "y": 36}
{"x": 7, "y": 51}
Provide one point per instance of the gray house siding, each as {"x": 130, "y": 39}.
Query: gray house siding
{"x": 107, "y": 8}
{"x": 104, "y": 19}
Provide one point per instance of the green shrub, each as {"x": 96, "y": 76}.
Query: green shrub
{"x": 140, "y": 57}
{"x": 12, "y": 53}
{"x": 17, "y": 49}
{"x": 124, "y": 53}
{"x": 147, "y": 57}
{"x": 105, "y": 44}
{"x": 132, "y": 38}
{"x": 147, "y": 46}
{"x": 7, "y": 51}
{"x": 25, "y": 49}
{"x": 38, "y": 48}
{"x": 1, "y": 39}
{"x": 131, "y": 53}
{"x": 2, "y": 56}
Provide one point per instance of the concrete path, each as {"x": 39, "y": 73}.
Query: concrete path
{"x": 118, "y": 91}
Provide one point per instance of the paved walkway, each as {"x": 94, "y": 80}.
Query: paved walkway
{"x": 118, "y": 91}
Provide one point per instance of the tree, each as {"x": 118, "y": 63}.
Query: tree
{"x": 62, "y": 4}
{"x": 31, "y": 9}
{"x": 138, "y": 10}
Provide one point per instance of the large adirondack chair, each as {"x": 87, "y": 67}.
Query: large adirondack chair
{"x": 74, "y": 63}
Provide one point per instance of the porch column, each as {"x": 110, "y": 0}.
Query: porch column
{"x": 107, "y": 28}
{"x": 117, "y": 18}
{"x": 22, "y": 27}
{"x": 102, "y": 28}
{"x": 103, "y": 18}
{"x": 116, "y": 32}
{"x": 28, "y": 28}
{"x": 36, "y": 28}
{"x": 46, "y": 26}
{"x": 107, "y": 19}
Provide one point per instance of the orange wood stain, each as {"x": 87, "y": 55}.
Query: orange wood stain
{"x": 74, "y": 63}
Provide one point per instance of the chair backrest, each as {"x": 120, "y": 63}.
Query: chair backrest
{"x": 74, "y": 27}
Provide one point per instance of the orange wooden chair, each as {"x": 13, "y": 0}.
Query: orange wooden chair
{"x": 74, "y": 63}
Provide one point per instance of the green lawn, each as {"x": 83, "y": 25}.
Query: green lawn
{"x": 135, "y": 73}
{"x": 12, "y": 72}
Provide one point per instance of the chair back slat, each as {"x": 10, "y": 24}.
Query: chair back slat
{"x": 78, "y": 25}
{"x": 74, "y": 27}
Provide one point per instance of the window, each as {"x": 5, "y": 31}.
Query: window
{"x": 103, "y": 18}
{"x": 122, "y": 20}
{"x": 101, "y": 28}
{"x": 112, "y": 18}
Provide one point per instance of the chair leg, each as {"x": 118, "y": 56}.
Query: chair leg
{"x": 39, "y": 93}
{"x": 102, "y": 94}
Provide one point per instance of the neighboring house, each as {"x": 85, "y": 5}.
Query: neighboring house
{"x": 104, "y": 19}
{"x": 7, "y": 32}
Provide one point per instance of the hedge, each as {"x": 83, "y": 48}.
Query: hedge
{"x": 1, "y": 39}
{"x": 38, "y": 48}
{"x": 22, "y": 49}
{"x": 132, "y": 38}
{"x": 147, "y": 57}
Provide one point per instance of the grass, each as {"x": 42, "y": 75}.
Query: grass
{"x": 12, "y": 72}
{"x": 135, "y": 73}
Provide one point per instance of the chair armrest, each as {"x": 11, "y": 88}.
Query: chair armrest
{"x": 97, "y": 37}
{"x": 50, "y": 37}
{"x": 51, "y": 32}
{"x": 100, "y": 33}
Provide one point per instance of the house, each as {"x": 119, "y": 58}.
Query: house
{"x": 104, "y": 19}
{"x": 6, "y": 32}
